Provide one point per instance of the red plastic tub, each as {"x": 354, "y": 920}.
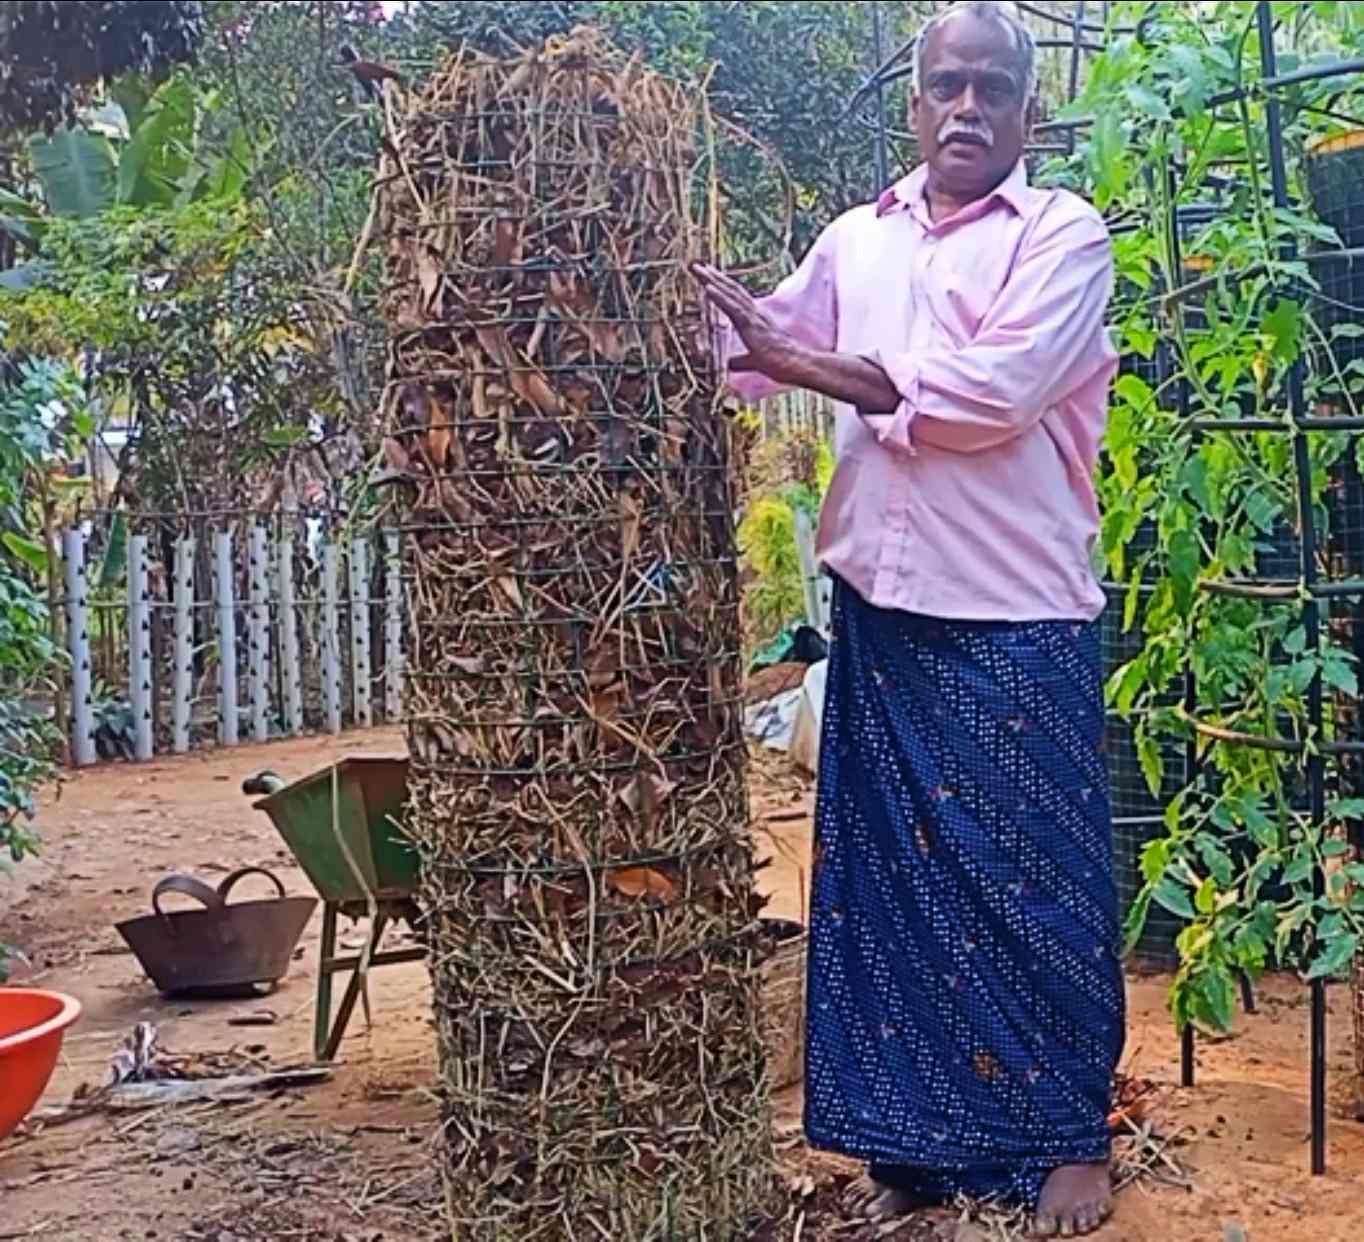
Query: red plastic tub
{"x": 32, "y": 1025}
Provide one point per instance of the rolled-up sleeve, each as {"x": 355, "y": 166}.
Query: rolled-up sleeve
{"x": 804, "y": 305}
{"x": 1040, "y": 341}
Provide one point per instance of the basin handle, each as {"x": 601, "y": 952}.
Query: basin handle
{"x": 228, "y": 881}
{"x": 186, "y": 886}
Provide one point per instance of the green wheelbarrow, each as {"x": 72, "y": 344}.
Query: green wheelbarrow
{"x": 343, "y": 825}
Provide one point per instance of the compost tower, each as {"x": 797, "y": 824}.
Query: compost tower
{"x": 574, "y": 689}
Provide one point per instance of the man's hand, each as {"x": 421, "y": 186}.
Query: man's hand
{"x": 770, "y": 351}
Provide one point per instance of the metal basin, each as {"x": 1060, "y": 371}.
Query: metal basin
{"x": 221, "y": 950}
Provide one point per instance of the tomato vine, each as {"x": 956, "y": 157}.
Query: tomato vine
{"x": 1219, "y": 305}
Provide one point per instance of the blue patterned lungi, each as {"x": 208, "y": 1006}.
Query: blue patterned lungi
{"x": 966, "y": 1005}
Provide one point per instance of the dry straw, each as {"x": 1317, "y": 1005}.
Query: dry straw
{"x": 578, "y": 779}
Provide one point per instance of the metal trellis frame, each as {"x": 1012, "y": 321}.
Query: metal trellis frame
{"x": 1301, "y": 426}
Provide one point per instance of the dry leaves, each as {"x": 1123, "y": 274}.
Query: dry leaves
{"x": 641, "y": 882}
{"x": 578, "y": 779}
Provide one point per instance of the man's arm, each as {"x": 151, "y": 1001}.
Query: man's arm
{"x": 788, "y": 338}
{"x": 1034, "y": 348}
{"x": 1036, "y": 345}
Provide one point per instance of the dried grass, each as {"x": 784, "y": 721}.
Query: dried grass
{"x": 568, "y": 483}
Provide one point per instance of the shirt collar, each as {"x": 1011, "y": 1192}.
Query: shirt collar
{"x": 908, "y": 192}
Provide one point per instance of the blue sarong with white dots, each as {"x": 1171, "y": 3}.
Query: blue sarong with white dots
{"x": 966, "y": 1005}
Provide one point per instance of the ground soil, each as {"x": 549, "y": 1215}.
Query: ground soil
{"x": 348, "y": 1159}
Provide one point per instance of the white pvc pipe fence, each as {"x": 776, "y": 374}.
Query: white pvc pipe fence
{"x": 394, "y": 611}
{"x": 288, "y": 620}
{"x": 260, "y": 635}
{"x": 331, "y": 637}
{"x": 229, "y": 720}
{"x": 245, "y": 634}
{"x": 361, "y": 673}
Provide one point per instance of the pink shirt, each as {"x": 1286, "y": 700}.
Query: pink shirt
{"x": 975, "y": 499}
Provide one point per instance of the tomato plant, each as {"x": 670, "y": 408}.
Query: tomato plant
{"x": 1220, "y": 301}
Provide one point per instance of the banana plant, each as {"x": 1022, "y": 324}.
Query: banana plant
{"x": 145, "y": 148}
{"x": 157, "y": 158}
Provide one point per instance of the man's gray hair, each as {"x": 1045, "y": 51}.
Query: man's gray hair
{"x": 1000, "y": 11}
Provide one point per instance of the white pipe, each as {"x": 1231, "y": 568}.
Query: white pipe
{"x": 288, "y": 610}
{"x": 393, "y": 629}
{"x": 227, "y": 640}
{"x": 78, "y": 642}
{"x": 140, "y": 649}
{"x": 331, "y": 638}
{"x": 183, "y": 681}
{"x": 260, "y": 635}
{"x": 361, "y": 666}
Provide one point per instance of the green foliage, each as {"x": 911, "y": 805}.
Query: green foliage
{"x": 189, "y": 335}
{"x": 53, "y": 52}
{"x": 20, "y": 218}
{"x": 1242, "y": 862}
{"x": 791, "y": 475}
{"x": 154, "y": 157}
{"x": 314, "y": 138}
{"x": 78, "y": 170}
{"x": 41, "y": 411}
{"x": 767, "y": 539}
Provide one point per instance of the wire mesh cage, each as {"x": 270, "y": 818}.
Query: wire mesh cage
{"x": 574, "y": 692}
{"x": 1160, "y": 370}
{"x": 1138, "y": 814}
{"x": 1334, "y": 171}
{"x": 1138, "y": 811}
{"x": 1344, "y": 620}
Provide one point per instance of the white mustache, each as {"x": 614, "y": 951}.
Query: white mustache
{"x": 954, "y": 129}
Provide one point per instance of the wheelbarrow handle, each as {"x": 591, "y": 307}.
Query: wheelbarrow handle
{"x": 229, "y": 881}
{"x": 263, "y": 785}
{"x": 186, "y": 886}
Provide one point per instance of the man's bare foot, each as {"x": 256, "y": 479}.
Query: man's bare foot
{"x": 873, "y": 1202}
{"x": 1075, "y": 1201}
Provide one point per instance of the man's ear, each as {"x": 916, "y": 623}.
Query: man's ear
{"x": 1030, "y": 114}
{"x": 914, "y": 112}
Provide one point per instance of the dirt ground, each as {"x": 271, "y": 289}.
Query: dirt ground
{"x": 347, "y": 1159}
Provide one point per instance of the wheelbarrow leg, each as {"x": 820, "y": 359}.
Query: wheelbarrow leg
{"x": 353, "y": 990}
{"x": 323, "y": 1019}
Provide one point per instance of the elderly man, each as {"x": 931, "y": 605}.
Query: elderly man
{"x": 966, "y": 1006}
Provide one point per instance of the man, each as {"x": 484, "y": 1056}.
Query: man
{"x": 965, "y": 1002}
